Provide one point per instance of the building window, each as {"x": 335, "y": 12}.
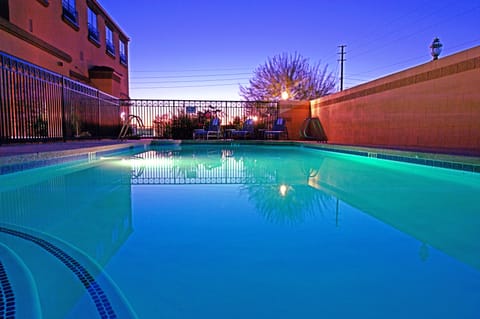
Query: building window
{"x": 109, "y": 41}
{"x": 93, "y": 33}
{"x": 44, "y": 2}
{"x": 4, "y": 11}
{"x": 123, "y": 52}
{"x": 70, "y": 11}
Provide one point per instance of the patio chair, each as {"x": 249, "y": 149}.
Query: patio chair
{"x": 212, "y": 131}
{"x": 277, "y": 130}
{"x": 246, "y": 131}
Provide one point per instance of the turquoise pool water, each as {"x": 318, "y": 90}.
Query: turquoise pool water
{"x": 239, "y": 232}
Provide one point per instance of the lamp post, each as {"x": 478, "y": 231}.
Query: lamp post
{"x": 436, "y": 48}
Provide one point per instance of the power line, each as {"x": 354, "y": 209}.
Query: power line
{"x": 189, "y": 81}
{"x": 417, "y": 58}
{"x": 374, "y": 38}
{"x": 451, "y": 47}
{"x": 427, "y": 24}
{"x": 191, "y": 70}
{"x": 406, "y": 36}
{"x": 187, "y": 76}
{"x": 388, "y": 66}
{"x": 185, "y": 86}
{"x": 356, "y": 79}
{"x": 477, "y": 40}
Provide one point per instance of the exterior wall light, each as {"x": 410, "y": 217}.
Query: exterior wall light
{"x": 284, "y": 95}
{"x": 435, "y": 48}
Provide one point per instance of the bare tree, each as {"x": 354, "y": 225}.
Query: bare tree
{"x": 290, "y": 73}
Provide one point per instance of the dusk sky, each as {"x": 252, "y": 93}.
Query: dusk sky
{"x": 192, "y": 49}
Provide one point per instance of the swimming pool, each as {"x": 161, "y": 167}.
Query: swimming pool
{"x": 239, "y": 231}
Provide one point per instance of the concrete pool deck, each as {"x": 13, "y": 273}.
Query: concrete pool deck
{"x": 11, "y": 154}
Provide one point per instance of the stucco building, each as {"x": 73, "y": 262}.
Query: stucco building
{"x": 75, "y": 38}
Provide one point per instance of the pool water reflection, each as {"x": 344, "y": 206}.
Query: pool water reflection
{"x": 251, "y": 232}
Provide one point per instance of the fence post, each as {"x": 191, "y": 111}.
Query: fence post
{"x": 64, "y": 124}
{"x": 3, "y": 107}
{"x": 99, "y": 117}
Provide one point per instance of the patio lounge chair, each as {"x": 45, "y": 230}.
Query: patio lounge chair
{"x": 212, "y": 131}
{"x": 277, "y": 130}
{"x": 246, "y": 131}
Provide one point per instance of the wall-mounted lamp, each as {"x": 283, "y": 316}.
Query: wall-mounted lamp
{"x": 435, "y": 48}
{"x": 284, "y": 95}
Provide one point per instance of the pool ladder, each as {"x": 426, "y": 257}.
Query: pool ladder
{"x": 128, "y": 125}
{"x": 312, "y": 130}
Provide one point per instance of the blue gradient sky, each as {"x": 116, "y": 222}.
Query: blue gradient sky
{"x": 187, "y": 49}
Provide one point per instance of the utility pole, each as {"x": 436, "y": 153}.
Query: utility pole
{"x": 342, "y": 60}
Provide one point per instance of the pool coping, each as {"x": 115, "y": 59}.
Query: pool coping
{"x": 43, "y": 155}
{"x": 36, "y": 156}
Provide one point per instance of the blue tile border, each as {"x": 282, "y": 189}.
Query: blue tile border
{"x": 7, "y": 297}
{"x": 31, "y": 161}
{"x": 17, "y": 167}
{"x": 381, "y": 154}
{"x": 431, "y": 162}
{"x": 100, "y": 299}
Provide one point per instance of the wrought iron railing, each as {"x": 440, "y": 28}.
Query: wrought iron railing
{"x": 179, "y": 118}
{"x": 37, "y": 105}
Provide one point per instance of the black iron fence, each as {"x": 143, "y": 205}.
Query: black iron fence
{"x": 179, "y": 118}
{"x": 38, "y": 105}
{"x": 89, "y": 112}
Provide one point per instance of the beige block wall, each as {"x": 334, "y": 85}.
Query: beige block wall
{"x": 434, "y": 106}
{"x": 294, "y": 112}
